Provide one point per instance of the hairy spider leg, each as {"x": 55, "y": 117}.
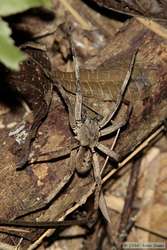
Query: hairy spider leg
{"x": 66, "y": 99}
{"x": 99, "y": 197}
{"x": 116, "y": 125}
{"x": 55, "y": 155}
{"x": 108, "y": 118}
{"x": 78, "y": 98}
{"x": 112, "y": 148}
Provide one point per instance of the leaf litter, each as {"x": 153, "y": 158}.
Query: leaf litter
{"x": 51, "y": 190}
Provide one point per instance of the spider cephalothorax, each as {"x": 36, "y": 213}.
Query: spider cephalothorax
{"x": 87, "y": 132}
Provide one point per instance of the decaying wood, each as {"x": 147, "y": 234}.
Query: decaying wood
{"x": 146, "y": 88}
{"x": 40, "y": 184}
{"x": 35, "y": 88}
{"x": 145, "y": 85}
{"x": 153, "y": 8}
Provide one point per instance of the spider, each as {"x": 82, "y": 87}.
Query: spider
{"x": 88, "y": 132}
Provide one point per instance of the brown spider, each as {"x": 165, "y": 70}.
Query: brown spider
{"x": 88, "y": 131}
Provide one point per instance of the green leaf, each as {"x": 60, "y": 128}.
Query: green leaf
{"x": 9, "y": 7}
{"x": 10, "y": 55}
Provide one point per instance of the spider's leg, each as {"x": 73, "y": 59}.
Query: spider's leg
{"x": 107, "y": 118}
{"x": 67, "y": 101}
{"x": 99, "y": 197}
{"x": 108, "y": 151}
{"x": 111, "y": 129}
{"x": 78, "y": 103}
{"x": 112, "y": 148}
{"x": 116, "y": 125}
{"x": 78, "y": 98}
{"x": 55, "y": 155}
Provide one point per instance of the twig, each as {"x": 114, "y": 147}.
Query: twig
{"x": 19, "y": 244}
{"x": 117, "y": 204}
{"x": 151, "y": 231}
{"x": 153, "y": 26}
{"x": 85, "y": 25}
{"x": 13, "y": 230}
{"x": 135, "y": 152}
{"x": 125, "y": 222}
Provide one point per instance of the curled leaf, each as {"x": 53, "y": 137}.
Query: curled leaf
{"x": 10, "y": 55}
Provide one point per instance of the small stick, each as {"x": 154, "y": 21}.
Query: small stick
{"x": 142, "y": 146}
{"x": 19, "y": 244}
{"x": 12, "y": 230}
{"x": 44, "y": 225}
{"x": 153, "y": 26}
{"x": 125, "y": 222}
{"x": 84, "y": 24}
{"x": 151, "y": 231}
{"x": 134, "y": 153}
